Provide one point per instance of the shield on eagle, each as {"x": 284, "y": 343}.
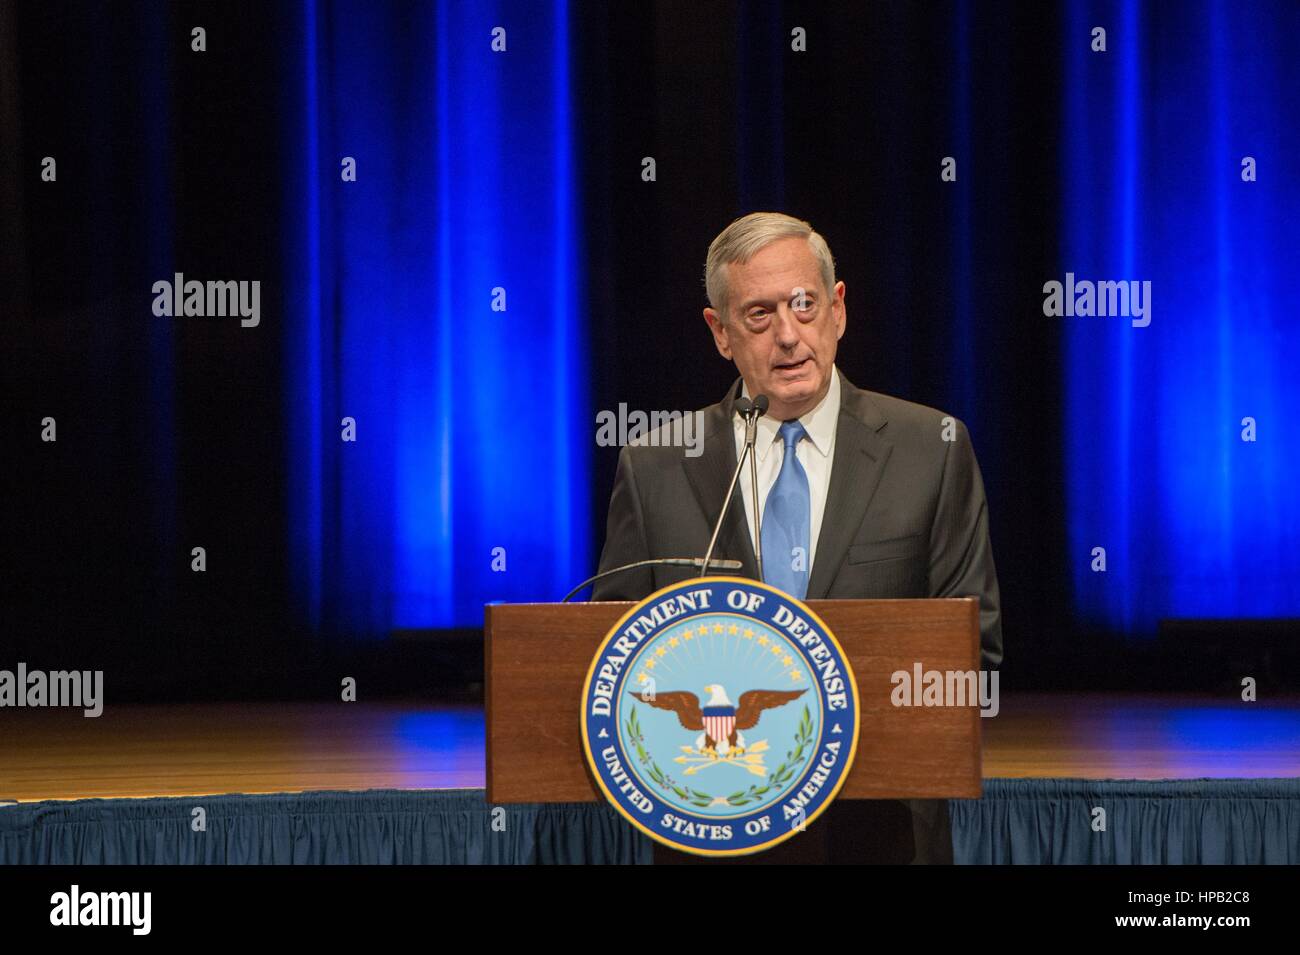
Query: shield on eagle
{"x": 719, "y": 721}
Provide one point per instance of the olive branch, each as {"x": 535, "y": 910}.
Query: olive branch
{"x": 786, "y": 771}
{"x": 779, "y": 776}
{"x": 700, "y": 800}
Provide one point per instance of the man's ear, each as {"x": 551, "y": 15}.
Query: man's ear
{"x": 843, "y": 315}
{"x": 719, "y": 329}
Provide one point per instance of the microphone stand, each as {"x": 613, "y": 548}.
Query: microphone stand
{"x": 750, "y": 411}
{"x": 751, "y": 436}
{"x": 721, "y": 562}
{"x": 745, "y": 408}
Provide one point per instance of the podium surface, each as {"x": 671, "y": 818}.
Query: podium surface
{"x": 537, "y": 657}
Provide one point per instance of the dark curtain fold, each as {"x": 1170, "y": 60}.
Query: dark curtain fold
{"x": 1160, "y": 822}
{"x": 386, "y": 827}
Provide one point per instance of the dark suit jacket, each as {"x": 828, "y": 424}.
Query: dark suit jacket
{"x": 905, "y": 517}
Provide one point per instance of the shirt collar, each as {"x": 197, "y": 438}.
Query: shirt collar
{"x": 820, "y": 423}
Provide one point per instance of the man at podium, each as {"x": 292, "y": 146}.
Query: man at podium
{"x": 863, "y": 495}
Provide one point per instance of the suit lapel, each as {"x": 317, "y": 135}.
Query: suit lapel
{"x": 860, "y": 458}
{"x": 709, "y": 476}
{"x": 861, "y": 454}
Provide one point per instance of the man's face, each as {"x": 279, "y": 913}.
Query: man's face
{"x": 781, "y": 327}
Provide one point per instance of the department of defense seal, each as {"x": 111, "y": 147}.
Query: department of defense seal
{"x": 720, "y": 716}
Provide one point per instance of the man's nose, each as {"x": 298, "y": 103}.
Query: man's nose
{"x": 785, "y": 327}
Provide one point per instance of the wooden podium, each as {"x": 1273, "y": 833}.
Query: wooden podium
{"x": 537, "y": 657}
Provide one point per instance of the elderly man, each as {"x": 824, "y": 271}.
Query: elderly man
{"x": 864, "y": 495}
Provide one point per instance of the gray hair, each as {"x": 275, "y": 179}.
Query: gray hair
{"x": 741, "y": 241}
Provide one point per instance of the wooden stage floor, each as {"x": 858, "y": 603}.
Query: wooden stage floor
{"x": 201, "y": 749}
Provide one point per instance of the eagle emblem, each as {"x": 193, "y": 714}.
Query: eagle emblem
{"x": 693, "y": 692}
{"x": 720, "y": 720}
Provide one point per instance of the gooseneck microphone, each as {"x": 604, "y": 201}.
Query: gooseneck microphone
{"x": 750, "y": 412}
{"x": 747, "y": 411}
{"x": 751, "y": 435}
{"x": 656, "y": 561}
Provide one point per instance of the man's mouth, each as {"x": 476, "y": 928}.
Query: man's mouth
{"x": 790, "y": 367}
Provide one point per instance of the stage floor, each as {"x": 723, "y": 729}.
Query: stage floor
{"x": 201, "y": 749}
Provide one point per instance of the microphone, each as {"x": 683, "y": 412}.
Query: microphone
{"x": 751, "y": 434}
{"x": 745, "y": 408}
{"x": 657, "y": 561}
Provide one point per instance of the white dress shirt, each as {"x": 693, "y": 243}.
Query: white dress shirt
{"x": 815, "y": 452}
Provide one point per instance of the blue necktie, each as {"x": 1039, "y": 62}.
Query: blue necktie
{"x": 787, "y": 519}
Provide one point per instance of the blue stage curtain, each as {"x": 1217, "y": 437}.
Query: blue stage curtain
{"x": 466, "y": 176}
{"x": 1200, "y": 821}
{"x": 1197, "y": 521}
{"x": 1025, "y": 821}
